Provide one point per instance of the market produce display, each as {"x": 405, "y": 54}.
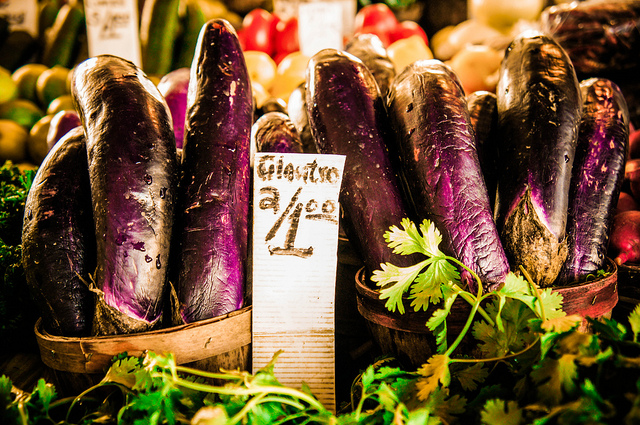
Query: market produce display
{"x": 490, "y": 165}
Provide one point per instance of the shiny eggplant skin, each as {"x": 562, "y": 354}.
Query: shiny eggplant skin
{"x": 299, "y": 116}
{"x": 371, "y": 51}
{"x": 212, "y": 232}
{"x": 347, "y": 117}
{"x": 58, "y": 241}
{"x": 274, "y": 132}
{"x": 133, "y": 172}
{"x": 598, "y": 173}
{"x": 599, "y": 36}
{"x": 436, "y": 144}
{"x": 539, "y": 111}
{"x": 483, "y": 111}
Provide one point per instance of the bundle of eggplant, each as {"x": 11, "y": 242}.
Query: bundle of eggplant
{"x": 527, "y": 177}
{"x": 119, "y": 236}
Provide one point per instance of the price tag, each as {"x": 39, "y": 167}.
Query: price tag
{"x": 21, "y": 15}
{"x": 112, "y": 28}
{"x": 320, "y": 26}
{"x": 295, "y": 240}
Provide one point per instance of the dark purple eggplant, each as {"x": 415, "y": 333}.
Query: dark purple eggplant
{"x": 347, "y": 117}
{"x": 598, "y": 35}
{"x": 299, "y": 116}
{"x": 173, "y": 86}
{"x": 58, "y": 241}
{"x": 598, "y": 172}
{"x": 274, "y": 132}
{"x": 483, "y": 112}
{"x": 212, "y": 232}
{"x": 539, "y": 111}
{"x": 436, "y": 144}
{"x": 61, "y": 123}
{"x": 134, "y": 174}
{"x": 371, "y": 51}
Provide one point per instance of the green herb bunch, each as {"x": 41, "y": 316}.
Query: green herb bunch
{"x": 531, "y": 364}
{"x": 17, "y": 312}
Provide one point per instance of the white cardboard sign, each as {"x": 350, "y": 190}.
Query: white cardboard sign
{"x": 295, "y": 240}
{"x": 112, "y": 28}
{"x": 21, "y": 15}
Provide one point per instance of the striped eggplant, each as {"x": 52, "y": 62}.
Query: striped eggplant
{"x": 598, "y": 172}
{"x": 539, "y": 111}
{"x": 436, "y": 142}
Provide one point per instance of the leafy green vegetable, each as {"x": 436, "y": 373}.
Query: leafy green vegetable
{"x": 531, "y": 365}
{"x": 17, "y": 312}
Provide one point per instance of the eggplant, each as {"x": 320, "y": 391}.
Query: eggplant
{"x": 597, "y": 176}
{"x": 347, "y": 117}
{"x": 212, "y": 232}
{"x": 436, "y": 145}
{"x": 61, "y": 123}
{"x": 483, "y": 112}
{"x": 539, "y": 111}
{"x": 274, "y": 132}
{"x": 173, "y": 87}
{"x": 133, "y": 171}
{"x": 297, "y": 111}
{"x": 371, "y": 51}
{"x": 58, "y": 241}
{"x": 598, "y": 35}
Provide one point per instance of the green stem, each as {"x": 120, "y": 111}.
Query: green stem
{"x": 468, "y": 297}
{"x": 465, "y": 329}
{"x": 251, "y": 391}
{"x": 536, "y": 291}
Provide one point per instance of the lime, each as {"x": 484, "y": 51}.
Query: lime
{"x": 26, "y": 77}
{"x": 8, "y": 87}
{"x": 23, "y": 111}
{"x": 13, "y": 141}
{"x": 60, "y": 103}
{"x": 37, "y": 140}
{"x": 51, "y": 84}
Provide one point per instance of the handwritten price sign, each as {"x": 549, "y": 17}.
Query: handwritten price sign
{"x": 295, "y": 239}
{"x": 112, "y": 28}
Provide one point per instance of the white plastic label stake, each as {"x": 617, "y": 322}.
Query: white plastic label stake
{"x": 320, "y": 26}
{"x": 112, "y": 28}
{"x": 21, "y": 14}
{"x": 295, "y": 244}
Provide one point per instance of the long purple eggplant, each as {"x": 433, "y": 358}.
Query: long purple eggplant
{"x": 598, "y": 35}
{"x": 212, "y": 232}
{"x": 274, "y": 132}
{"x": 371, "y": 51}
{"x": 483, "y": 112}
{"x": 58, "y": 242}
{"x": 598, "y": 172}
{"x": 347, "y": 117}
{"x": 437, "y": 147}
{"x": 539, "y": 111}
{"x": 134, "y": 173}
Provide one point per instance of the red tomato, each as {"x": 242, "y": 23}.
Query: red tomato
{"x": 376, "y": 15}
{"x": 406, "y": 29}
{"x": 287, "y": 36}
{"x": 258, "y": 28}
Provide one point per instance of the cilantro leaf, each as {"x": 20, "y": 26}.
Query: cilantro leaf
{"x": 499, "y": 412}
{"x": 432, "y": 374}
{"x": 634, "y": 322}
{"x": 553, "y": 376}
{"x": 471, "y": 376}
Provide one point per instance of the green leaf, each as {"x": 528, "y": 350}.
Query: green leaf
{"x": 124, "y": 372}
{"x": 471, "y": 376}
{"x": 634, "y": 321}
{"x": 553, "y": 376}
{"x": 433, "y": 373}
{"x": 395, "y": 281}
{"x": 497, "y": 412}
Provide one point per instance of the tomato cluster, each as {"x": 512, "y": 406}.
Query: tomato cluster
{"x": 379, "y": 19}
{"x": 267, "y": 32}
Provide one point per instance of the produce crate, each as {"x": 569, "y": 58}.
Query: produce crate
{"x": 219, "y": 343}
